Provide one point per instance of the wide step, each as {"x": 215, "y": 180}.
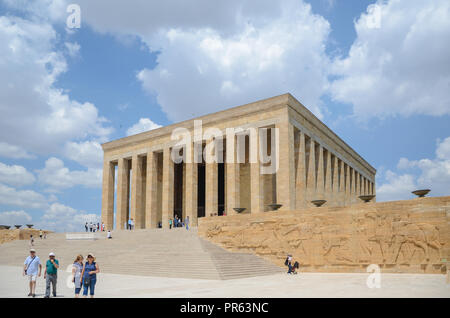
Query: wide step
{"x": 173, "y": 253}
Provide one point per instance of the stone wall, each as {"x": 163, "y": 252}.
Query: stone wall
{"x": 401, "y": 236}
{"x": 19, "y": 234}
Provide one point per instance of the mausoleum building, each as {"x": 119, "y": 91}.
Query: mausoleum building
{"x": 270, "y": 151}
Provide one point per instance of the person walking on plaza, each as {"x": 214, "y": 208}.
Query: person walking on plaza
{"x": 40, "y": 234}
{"x": 32, "y": 269}
{"x": 89, "y": 275}
{"x": 86, "y": 226}
{"x": 170, "y": 223}
{"x": 77, "y": 269}
{"x": 51, "y": 274}
{"x": 129, "y": 224}
{"x": 31, "y": 241}
{"x": 132, "y": 224}
{"x": 186, "y": 222}
{"x": 108, "y": 234}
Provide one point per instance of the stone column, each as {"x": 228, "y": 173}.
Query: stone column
{"x": 353, "y": 188}
{"x": 311, "y": 178}
{"x": 191, "y": 187}
{"x": 108, "y": 194}
{"x": 211, "y": 195}
{"x": 328, "y": 178}
{"x": 151, "y": 204}
{"x": 256, "y": 195}
{"x": 320, "y": 186}
{"x": 336, "y": 181}
{"x": 122, "y": 193}
{"x": 347, "y": 185}
{"x": 358, "y": 186}
{"x": 342, "y": 185}
{"x": 167, "y": 187}
{"x": 301, "y": 174}
{"x": 232, "y": 176}
{"x": 136, "y": 208}
{"x": 285, "y": 178}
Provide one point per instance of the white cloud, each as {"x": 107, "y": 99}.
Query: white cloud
{"x": 443, "y": 149}
{"x": 62, "y": 218}
{"x": 222, "y": 54}
{"x": 21, "y": 198}
{"x": 402, "y": 66}
{"x": 15, "y": 217}
{"x": 136, "y": 17}
{"x": 58, "y": 177}
{"x": 200, "y": 71}
{"x": 36, "y": 116}
{"x": 14, "y": 152}
{"x": 396, "y": 187}
{"x": 431, "y": 174}
{"x": 73, "y": 49}
{"x": 51, "y": 10}
{"x": 15, "y": 175}
{"x": 144, "y": 124}
{"x": 86, "y": 153}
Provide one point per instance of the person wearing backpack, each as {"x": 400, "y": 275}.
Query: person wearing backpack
{"x": 32, "y": 268}
{"x": 89, "y": 275}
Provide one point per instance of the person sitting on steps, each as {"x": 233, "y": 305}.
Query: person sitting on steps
{"x": 292, "y": 268}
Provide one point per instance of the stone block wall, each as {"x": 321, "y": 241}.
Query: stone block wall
{"x": 411, "y": 236}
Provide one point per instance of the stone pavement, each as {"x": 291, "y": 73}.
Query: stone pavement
{"x": 12, "y": 284}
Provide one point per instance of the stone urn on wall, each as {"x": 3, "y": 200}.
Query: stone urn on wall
{"x": 421, "y": 193}
{"x": 274, "y": 206}
{"x": 367, "y": 198}
{"x": 318, "y": 203}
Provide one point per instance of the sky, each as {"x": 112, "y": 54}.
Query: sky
{"x": 376, "y": 72}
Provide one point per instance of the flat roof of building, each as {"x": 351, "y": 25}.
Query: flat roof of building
{"x": 242, "y": 110}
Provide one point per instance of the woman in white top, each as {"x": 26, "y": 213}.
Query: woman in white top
{"x": 76, "y": 273}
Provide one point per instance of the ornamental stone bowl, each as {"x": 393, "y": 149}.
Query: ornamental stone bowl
{"x": 18, "y": 226}
{"x": 421, "y": 193}
{"x": 318, "y": 203}
{"x": 29, "y": 225}
{"x": 367, "y": 198}
{"x": 4, "y": 227}
{"x": 274, "y": 206}
{"x": 239, "y": 210}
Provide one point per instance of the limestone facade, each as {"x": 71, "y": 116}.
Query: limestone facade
{"x": 312, "y": 163}
{"x": 399, "y": 236}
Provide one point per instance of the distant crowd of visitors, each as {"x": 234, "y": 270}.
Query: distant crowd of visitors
{"x": 84, "y": 274}
{"x": 92, "y": 227}
{"x": 178, "y": 222}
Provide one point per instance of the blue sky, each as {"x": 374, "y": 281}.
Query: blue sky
{"x": 376, "y": 72}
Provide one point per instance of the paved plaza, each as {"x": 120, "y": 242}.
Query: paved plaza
{"x": 13, "y": 284}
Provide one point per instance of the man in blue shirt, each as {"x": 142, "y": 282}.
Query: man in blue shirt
{"x": 51, "y": 274}
{"x": 32, "y": 268}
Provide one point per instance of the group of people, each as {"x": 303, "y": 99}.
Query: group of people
{"x": 292, "y": 268}
{"x": 42, "y": 235}
{"x": 92, "y": 227}
{"x": 84, "y": 273}
{"x": 178, "y": 222}
{"x": 130, "y": 224}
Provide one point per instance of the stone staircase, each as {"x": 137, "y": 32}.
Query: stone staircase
{"x": 154, "y": 252}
